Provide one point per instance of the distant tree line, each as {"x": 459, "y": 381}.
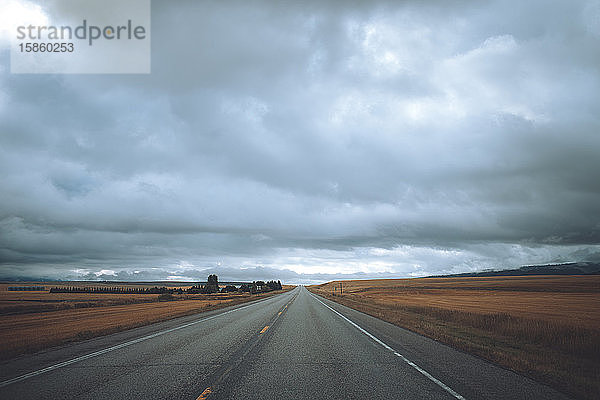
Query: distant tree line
{"x": 115, "y": 290}
{"x": 26, "y": 288}
{"x": 211, "y": 286}
{"x": 260, "y": 286}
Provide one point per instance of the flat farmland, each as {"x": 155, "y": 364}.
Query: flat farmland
{"x": 547, "y": 327}
{"x": 32, "y": 321}
{"x": 17, "y": 302}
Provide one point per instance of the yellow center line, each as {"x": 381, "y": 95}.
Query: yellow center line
{"x": 208, "y": 390}
{"x": 204, "y": 394}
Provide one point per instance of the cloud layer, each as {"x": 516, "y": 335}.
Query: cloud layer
{"x": 331, "y": 138}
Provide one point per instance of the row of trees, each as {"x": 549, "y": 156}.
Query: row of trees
{"x": 261, "y": 286}
{"x": 115, "y": 290}
{"x": 211, "y": 286}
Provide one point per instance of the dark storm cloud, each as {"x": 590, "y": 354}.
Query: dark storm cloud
{"x": 329, "y": 138}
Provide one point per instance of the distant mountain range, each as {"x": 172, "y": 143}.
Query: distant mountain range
{"x": 573, "y": 268}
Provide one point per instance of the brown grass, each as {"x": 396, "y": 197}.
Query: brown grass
{"x": 32, "y": 321}
{"x": 546, "y": 327}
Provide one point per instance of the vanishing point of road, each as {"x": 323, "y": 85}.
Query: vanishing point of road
{"x": 290, "y": 346}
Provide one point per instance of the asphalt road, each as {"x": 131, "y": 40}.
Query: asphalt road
{"x": 290, "y": 346}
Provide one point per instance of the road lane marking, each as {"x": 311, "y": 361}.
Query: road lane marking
{"x": 204, "y": 394}
{"x": 406, "y": 360}
{"x": 222, "y": 374}
{"x": 118, "y": 346}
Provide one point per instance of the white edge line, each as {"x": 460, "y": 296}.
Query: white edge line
{"x": 116, "y": 347}
{"x": 406, "y": 360}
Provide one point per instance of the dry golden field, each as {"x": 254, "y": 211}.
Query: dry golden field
{"x": 32, "y": 321}
{"x": 547, "y": 327}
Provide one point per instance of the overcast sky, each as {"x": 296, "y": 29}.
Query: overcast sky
{"x": 312, "y": 141}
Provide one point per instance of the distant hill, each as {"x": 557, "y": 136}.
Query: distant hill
{"x": 574, "y": 268}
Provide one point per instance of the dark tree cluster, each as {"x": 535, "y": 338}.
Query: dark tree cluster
{"x": 212, "y": 286}
{"x": 274, "y": 285}
{"x": 228, "y": 289}
{"x": 262, "y": 287}
{"x": 203, "y": 289}
{"x": 245, "y": 287}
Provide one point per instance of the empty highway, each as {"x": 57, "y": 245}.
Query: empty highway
{"x": 291, "y": 346}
